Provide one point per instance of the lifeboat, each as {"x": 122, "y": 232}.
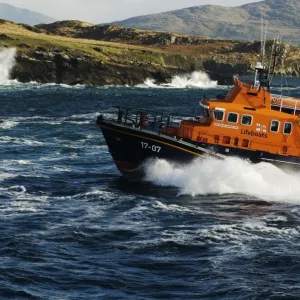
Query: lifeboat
{"x": 249, "y": 122}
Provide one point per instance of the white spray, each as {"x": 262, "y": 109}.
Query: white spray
{"x": 194, "y": 80}
{"x": 7, "y": 62}
{"x": 230, "y": 176}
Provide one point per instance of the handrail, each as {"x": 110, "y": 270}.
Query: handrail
{"x": 285, "y": 102}
{"x": 151, "y": 120}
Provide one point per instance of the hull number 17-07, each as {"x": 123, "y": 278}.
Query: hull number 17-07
{"x": 153, "y": 148}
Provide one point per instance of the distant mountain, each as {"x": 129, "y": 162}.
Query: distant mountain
{"x": 18, "y": 15}
{"x": 240, "y": 23}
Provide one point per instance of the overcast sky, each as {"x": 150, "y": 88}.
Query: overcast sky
{"x": 100, "y": 11}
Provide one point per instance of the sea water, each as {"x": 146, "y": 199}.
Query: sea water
{"x": 73, "y": 228}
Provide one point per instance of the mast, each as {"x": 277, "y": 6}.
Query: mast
{"x": 261, "y": 72}
{"x": 264, "y": 74}
{"x": 274, "y": 59}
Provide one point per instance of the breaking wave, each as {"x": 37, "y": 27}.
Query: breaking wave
{"x": 230, "y": 176}
{"x": 7, "y": 62}
{"x": 193, "y": 80}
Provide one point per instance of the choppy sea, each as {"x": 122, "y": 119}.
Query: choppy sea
{"x": 71, "y": 227}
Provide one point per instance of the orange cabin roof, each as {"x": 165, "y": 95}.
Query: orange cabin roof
{"x": 248, "y": 95}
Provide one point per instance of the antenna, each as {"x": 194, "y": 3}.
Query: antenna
{"x": 264, "y": 30}
{"x": 261, "y": 72}
{"x": 261, "y": 37}
{"x": 276, "y": 49}
{"x": 264, "y": 73}
{"x": 270, "y": 71}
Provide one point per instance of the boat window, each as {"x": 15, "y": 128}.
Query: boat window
{"x": 287, "y": 128}
{"x": 219, "y": 115}
{"x": 232, "y": 117}
{"x": 205, "y": 112}
{"x": 247, "y": 120}
{"x": 274, "y": 126}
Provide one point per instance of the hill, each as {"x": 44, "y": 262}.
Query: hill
{"x": 111, "y": 55}
{"x": 114, "y": 33}
{"x": 18, "y": 15}
{"x": 240, "y": 23}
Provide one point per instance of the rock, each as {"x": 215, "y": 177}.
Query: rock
{"x": 98, "y": 49}
{"x": 4, "y": 37}
{"x": 57, "y": 50}
{"x": 42, "y": 49}
{"x": 66, "y": 57}
{"x": 24, "y": 45}
{"x": 39, "y": 54}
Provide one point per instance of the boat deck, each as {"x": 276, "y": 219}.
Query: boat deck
{"x": 157, "y": 122}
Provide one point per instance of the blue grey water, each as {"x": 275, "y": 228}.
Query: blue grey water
{"x": 72, "y": 228}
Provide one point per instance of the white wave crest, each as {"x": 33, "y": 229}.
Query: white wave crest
{"x": 193, "y": 80}
{"x": 7, "y": 124}
{"x": 18, "y": 188}
{"x": 229, "y": 176}
{"x": 12, "y": 140}
{"x": 7, "y": 62}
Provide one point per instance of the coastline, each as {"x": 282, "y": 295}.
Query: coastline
{"x": 50, "y": 58}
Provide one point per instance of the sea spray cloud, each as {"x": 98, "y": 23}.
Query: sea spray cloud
{"x": 7, "y": 62}
{"x": 196, "y": 79}
{"x": 230, "y": 176}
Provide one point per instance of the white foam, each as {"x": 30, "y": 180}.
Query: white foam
{"x": 61, "y": 169}
{"x": 91, "y": 116}
{"x": 77, "y": 86}
{"x": 193, "y": 80}
{"x": 4, "y": 176}
{"x": 230, "y": 176}
{"x": 149, "y": 82}
{"x": 73, "y": 119}
{"x": 171, "y": 207}
{"x": 78, "y": 122}
{"x": 8, "y": 124}
{"x": 16, "y": 162}
{"x": 18, "y": 188}
{"x": 7, "y": 62}
{"x": 240, "y": 233}
{"x": 12, "y": 140}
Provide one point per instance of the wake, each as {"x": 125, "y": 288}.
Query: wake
{"x": 230, "y": 176}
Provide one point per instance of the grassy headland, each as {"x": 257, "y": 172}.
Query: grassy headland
{"x": 75, "y": 52}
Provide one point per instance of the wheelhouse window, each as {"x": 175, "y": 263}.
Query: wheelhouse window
{"x": 287, "y": 129}
{"x": 204, "y": 110}
{"x": 247, "y": 120}
{"x": 274, "y": 126}
{"x": 206, "y": 113}
{"x": 232, "y": 117}
{"x": 219, "y": 114}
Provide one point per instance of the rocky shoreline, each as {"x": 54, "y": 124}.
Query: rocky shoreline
{"x": 59, "y": 66}
{"x": 46, "y": 57}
